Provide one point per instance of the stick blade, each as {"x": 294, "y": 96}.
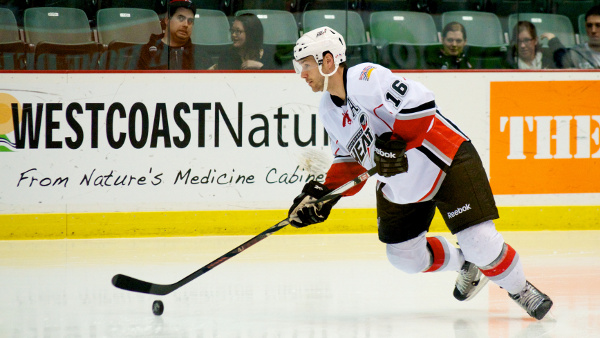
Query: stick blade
{"x": 132, "y": 284}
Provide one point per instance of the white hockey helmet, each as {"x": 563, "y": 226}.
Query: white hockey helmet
{"x": 316, "y": 43}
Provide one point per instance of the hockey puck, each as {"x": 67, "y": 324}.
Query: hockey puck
{"x": 158, "y": 307}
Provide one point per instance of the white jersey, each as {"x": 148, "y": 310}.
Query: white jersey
{"x": 377, "y": 102}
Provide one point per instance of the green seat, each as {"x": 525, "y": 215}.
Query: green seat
{"x": 581, "y": 28}
{"x": 82, "y": 56}
{"x": 56, "y": 25}
{"x": 88, "y": 6}
{"x": 280, "y": 35}
{"x": 130, "y": 25}
{"x": 559, "y": 25}
{"x": 62, "y": 37}
{"x": 211, "y": 28}
{"x": 483, "y": 28}
{"x": 403, "y": 39}
{"x": 13, "y": 51}
{"x": 279, "y": 26}
{"x": 121, "y": 56}
{"x": 402, "y": 27}
{"x": 347, "y": 23}
{"x": 9, "y": 31}
{"x": 352, "y": 29}
{"x": 211, "y": 33}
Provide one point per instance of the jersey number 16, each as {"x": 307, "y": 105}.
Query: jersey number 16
{"x": 398, "y": 89}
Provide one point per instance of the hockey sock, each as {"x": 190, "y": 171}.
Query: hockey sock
{"x": 483, "y": 246}
{"x": 506, "y": 270}
{"x": 446, "y": 257}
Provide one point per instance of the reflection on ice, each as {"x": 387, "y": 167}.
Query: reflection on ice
{"x": 286, "y": 286}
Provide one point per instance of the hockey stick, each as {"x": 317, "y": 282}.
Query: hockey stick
{"x": 132, "y": 284}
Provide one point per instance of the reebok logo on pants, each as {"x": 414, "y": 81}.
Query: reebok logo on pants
{"x": 459, "y": 210}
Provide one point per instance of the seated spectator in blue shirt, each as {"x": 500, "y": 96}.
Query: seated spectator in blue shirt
{"x": 586, "y": 55}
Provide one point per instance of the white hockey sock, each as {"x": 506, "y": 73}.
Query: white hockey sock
{"x": 506, "y": 270}
{"x": 483, "y": 246}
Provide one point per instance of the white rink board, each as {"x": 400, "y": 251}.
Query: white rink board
{"x": 30, "y": 178}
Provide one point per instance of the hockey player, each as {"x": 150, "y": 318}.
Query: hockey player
{"x": 379, "y": 119}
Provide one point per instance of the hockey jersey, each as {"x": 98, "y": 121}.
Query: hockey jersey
{"x": 377, "y": 102}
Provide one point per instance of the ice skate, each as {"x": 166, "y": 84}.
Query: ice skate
{"x": 536, "y": 303}
{"x": 469, "y": 282}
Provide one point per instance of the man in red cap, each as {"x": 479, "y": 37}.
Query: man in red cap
{"x": 173, "y": 49}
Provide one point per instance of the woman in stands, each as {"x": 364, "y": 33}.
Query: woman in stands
{"x": 246, "y": 51}
{"x": 526, "y": 52}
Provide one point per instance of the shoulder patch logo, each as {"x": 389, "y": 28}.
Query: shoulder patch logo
{"x": 366, "y": 73}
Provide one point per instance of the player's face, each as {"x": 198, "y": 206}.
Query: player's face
{"x": 180, "y": 26}
{"x": 454, "y": 43}
{"x": 526, "y": 45}
{"x": 238, "y": 34}
{"x": 592, "y": 28}
{"x": 309, "y": 71}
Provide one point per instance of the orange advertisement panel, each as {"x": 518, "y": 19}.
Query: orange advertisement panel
{"x": 544, "y": 137}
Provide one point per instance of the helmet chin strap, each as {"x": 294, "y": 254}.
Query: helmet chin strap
{"x": 326, "y": 80}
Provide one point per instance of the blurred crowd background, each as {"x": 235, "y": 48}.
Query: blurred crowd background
{"x": 260, "y": 34}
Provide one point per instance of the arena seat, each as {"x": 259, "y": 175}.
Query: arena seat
{"x": 13, "y": 50}
{"x": 131, "y": 25}
{"x": 559, "y": 25}
{"x": 280, "y": 35}
{"x": 347, "y": 23}
{"x": 403, "y": 38}
{"x": 62, "y": 38}
{"x": 211, "y": 32}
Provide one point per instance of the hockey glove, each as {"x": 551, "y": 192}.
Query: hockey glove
{"x": 390, "y": 157}
{"x": 304, "y": 212}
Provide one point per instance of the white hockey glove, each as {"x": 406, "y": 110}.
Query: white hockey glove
{"x": 304, "y": 212}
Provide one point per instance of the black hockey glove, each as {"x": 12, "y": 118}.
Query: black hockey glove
{"x": 304, "y": 212}
{"x": 390, "y": 157}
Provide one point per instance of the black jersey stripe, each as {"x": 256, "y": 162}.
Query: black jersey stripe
{"x": 431, "y": 156}
{"x": 424, "y": 106}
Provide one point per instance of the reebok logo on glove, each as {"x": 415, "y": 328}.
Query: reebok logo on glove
{"x": 459, "y": 210}
{"x": 385, "y": 153}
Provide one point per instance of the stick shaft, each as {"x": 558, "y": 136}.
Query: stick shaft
{"x": 133, "y": 284}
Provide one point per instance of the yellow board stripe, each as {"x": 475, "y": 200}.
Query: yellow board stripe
{"x": 243, "y": 222}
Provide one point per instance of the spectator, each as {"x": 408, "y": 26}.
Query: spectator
{"x": 173, "y": 49}
{"x": 246, "y": 51}
{"x": 586, "y": 55}
{"x": 525, "y": 50}
{"x": 453, "y": 54}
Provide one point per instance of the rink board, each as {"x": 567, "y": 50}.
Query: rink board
{"x": 183, "y": 154}
{"x": 208, "y": 223}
